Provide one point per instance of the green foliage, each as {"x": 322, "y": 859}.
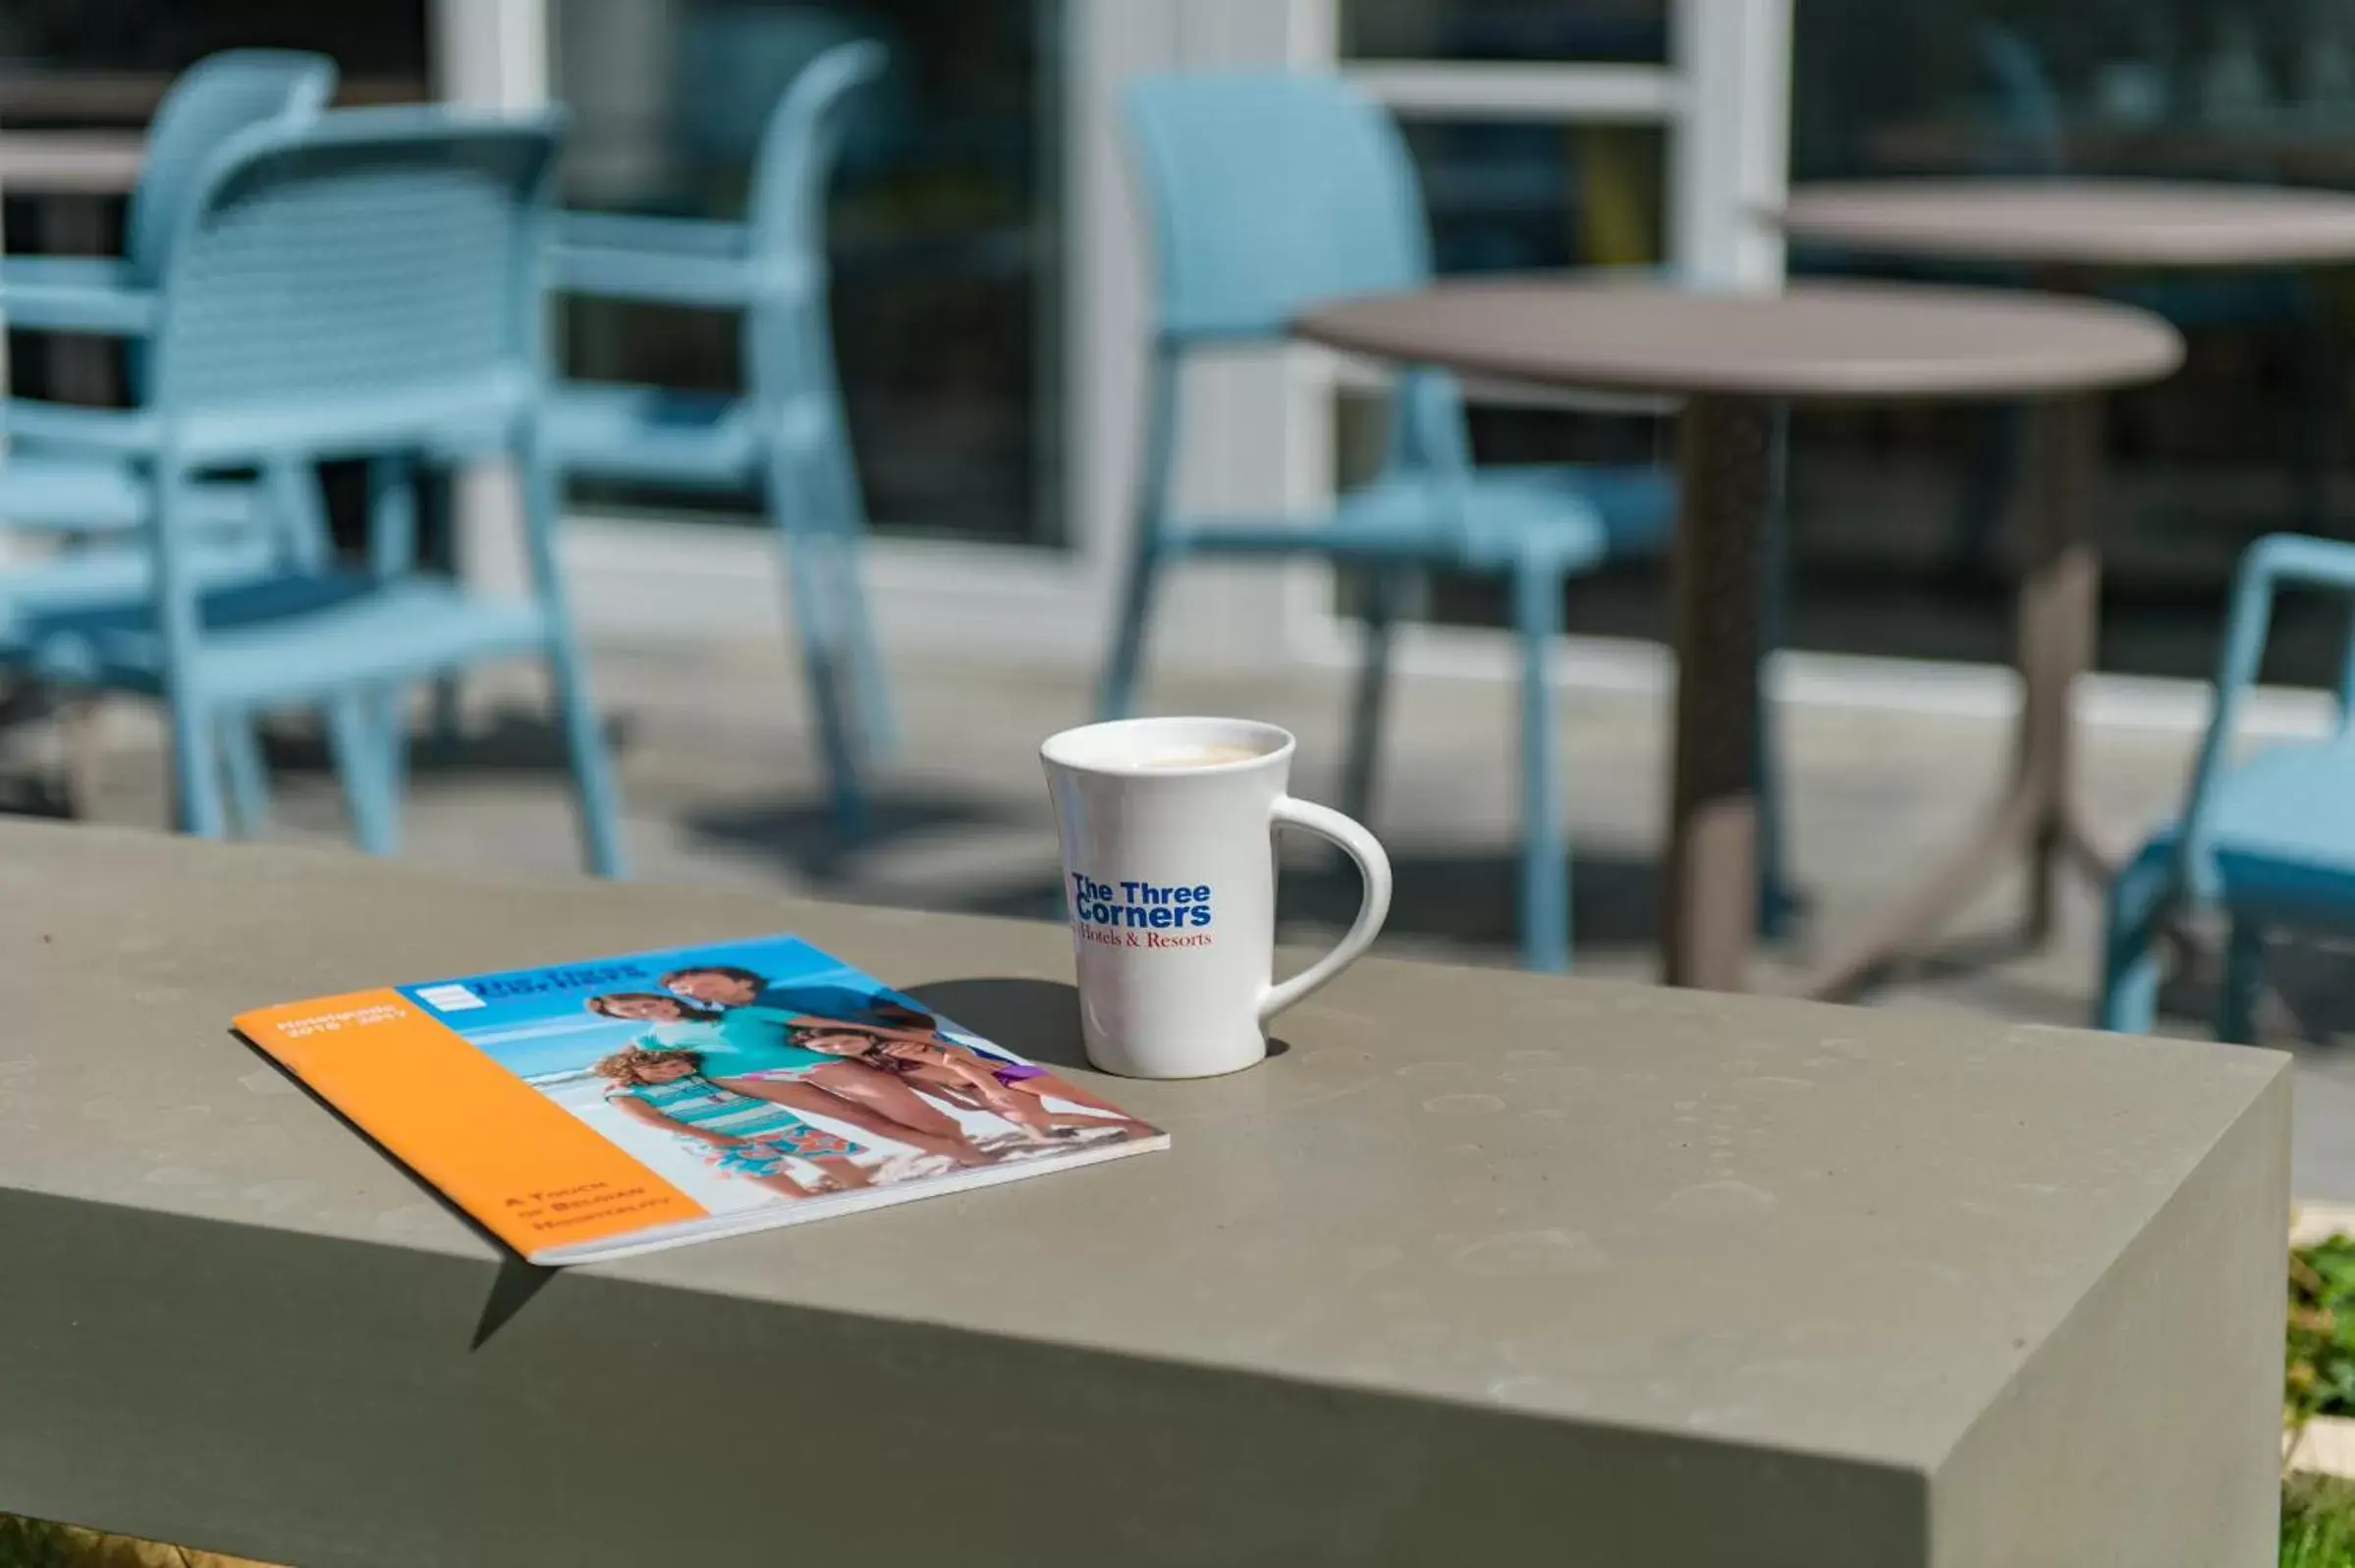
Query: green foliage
{"x": 2319, "y": 1374}
{"x": 2318, "y": 1522}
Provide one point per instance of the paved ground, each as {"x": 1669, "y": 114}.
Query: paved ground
{"x": 721, "y": 787}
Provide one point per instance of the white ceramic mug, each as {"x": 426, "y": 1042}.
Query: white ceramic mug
{"x": 1170, "y": 877}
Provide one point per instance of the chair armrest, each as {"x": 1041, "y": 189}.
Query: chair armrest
{"x": 2273, "y": 563}
{"x": 67, "y": 429}
{"x": 611, "y": 272}
{"x": 73, "y": 293}
{"x": 676, "y": 236}
{"x": 2297, "y": 560}
{"x": 82, "y": 272}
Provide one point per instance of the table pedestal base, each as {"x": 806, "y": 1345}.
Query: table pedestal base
{"x": 2059, "y": 611}
{"x": 1723, "y": 448}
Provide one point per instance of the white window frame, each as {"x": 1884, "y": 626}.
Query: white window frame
{"x": 1722, "y": 98}
{"x": 665, "y": 580}
{"x": 1258, "y": 431}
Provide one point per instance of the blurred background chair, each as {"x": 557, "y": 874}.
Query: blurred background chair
{"x": 356, "y": 286}
{"x": 82, "y": 500}
{"x": 2266, "y": 840}
{"x": 786, "y": 433}
{"x": 1267, "y": 194}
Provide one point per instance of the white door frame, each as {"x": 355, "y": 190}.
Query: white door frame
{"x": 1258, "y": 431}
{"x": 1722, "y": 98}
{"x": 665, "y": 580}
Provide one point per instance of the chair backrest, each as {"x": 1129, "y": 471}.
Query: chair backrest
{"x": 362, "y": 271}
{"x": 1267, "y": 191}
{"x": 211, "y": 101}
{"x": 2027, "y": 109}
{"x": 800, "y": 148}
{"x": 733, "y": 64}
{"x": 786, "y": 344}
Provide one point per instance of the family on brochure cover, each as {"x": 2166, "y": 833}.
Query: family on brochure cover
{"x": 735, "y": 1068}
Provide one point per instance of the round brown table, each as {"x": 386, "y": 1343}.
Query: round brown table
{"x": 2065, "y": 231}
{"x": 81, "y": 163}
{"x": 2069, "y": 223}
{"x": 1731, "y": 357}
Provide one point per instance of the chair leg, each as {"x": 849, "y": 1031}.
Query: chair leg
{"x": 794, "y": 505}
{"x": 293, "y": 489}
{"x": 391, "y": 720}
{"x": 2139, "y": 897}
{"x": 1115, "y": 692}
{"x": 196, "y": 802}
{"x": 80, "y": 721}
{"x": 2243, "y": 983}
{"x": 585, "y": 742}
{"x": 195, "y": 773}
{"x": 1545, "y": 894}
{"x": 1777, "y": 898}
{"x": 248, "y": 775}
{"x": 447, "y": 717}
{"x": 1386, "y": 587}
{"x": 355, "y": 735}
{"x": 878, "y": 720}
{"x": 592, "y": 771}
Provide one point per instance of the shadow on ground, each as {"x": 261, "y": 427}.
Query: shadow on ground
{"x": 508, "y": 740}
{"x": 800, "y": 834}
{"x": 1468, "y": 900}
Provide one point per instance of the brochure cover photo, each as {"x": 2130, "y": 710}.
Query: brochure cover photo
{"x": 593, "y": 1109}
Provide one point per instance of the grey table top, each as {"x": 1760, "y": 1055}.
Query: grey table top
{"x": 1815, "y": 340}
{"x": 1736, "y": 1218}
{"x": 59, "y": 163}
{"x": 2071, "y": 221}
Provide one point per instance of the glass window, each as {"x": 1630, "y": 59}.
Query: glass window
{"x": 1534, "y": 195}
{"x": 1519, "y": 195}
{"x": 944, "y": 231}
{"x": 124, "y": 51}
{"x": 1631, "y": 30}
{"x": 1900, "y": 539}
{"x": 99, "y": 69}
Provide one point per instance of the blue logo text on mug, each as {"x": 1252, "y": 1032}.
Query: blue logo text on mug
{"x": 1141, "y": 914}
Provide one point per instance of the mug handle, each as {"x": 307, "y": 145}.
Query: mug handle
{"x": 1373, "y": 867}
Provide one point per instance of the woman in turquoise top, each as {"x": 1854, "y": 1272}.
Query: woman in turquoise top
{"x": 738, "y": 1041}
{"x": 738, "y": 1134}
{"x": 734, "y": 1051}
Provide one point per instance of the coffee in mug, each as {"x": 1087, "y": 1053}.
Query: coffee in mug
{"x": 1202, "y": 757}
{"x": 1170, "y": 879}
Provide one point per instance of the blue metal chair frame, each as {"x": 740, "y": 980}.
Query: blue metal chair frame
{"x": 1267, "y": 193}
{"x": 81, "y": 499}
{"x": 788, "y": 433}
{"x": 2268, "y": 839}
{"x": 211, "y": 101}
{"x": 364, "y": 285}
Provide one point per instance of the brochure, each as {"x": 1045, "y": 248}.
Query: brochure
{"x": 591, "y": 1110}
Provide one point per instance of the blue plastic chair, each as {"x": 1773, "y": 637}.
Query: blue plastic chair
{"x": 1266, "y": 193}
{"x": 114, "y": 296}
{"x": 83, "y": 499}
{"x": 2268, "y": 839}
{"x": 786, "y": 433}
{"x": 364, "y": 285}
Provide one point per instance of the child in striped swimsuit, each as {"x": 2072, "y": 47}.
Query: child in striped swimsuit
{"x": 737, "y": 1134}
{"x": 1012, "y": 1089}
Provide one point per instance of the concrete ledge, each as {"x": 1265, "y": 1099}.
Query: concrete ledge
{"x": 1487, "y": 1267}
